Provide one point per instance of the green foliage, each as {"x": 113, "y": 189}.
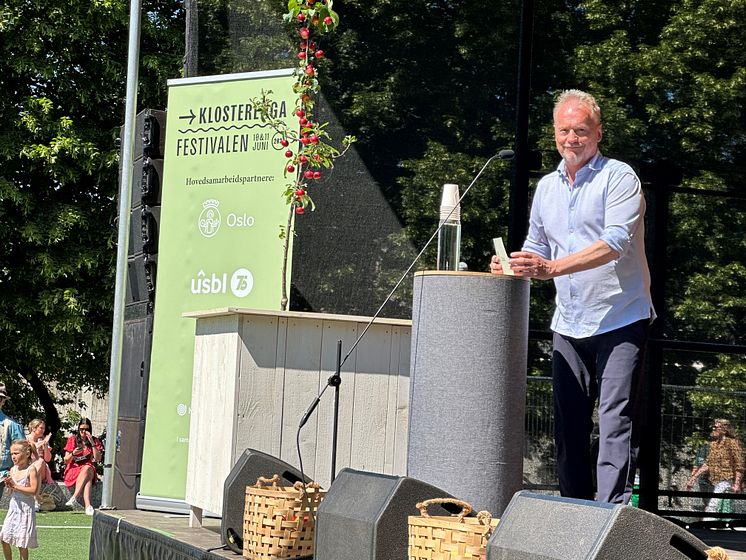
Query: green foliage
{"x": 61, "y": 102}
{"x": 429, "y": 88}
{"x": 483, "y": 218}
{"x": 311, "y": 139}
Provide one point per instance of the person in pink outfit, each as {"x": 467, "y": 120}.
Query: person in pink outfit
{"x": 19, "y": 527}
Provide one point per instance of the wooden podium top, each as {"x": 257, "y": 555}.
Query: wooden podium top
{"x": 223, "y": 311}
{"x": 467, "y": 273}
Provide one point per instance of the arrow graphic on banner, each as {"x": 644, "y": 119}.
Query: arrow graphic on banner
{"x": 191, "y": 116}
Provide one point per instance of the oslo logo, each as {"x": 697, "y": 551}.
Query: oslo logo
{"x": 209, "y": 219}
{"x": 239, "y": 220}
{"x": 241, "y": 283}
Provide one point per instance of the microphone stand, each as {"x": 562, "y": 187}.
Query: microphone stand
{"x": 335, "y": 380}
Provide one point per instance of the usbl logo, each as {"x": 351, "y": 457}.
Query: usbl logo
{"x": 241, "y": 283}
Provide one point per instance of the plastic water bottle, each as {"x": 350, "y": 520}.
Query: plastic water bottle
{"x": 449, "y": 236}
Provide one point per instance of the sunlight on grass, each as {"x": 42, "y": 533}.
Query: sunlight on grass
{"x": 62, "y": 535}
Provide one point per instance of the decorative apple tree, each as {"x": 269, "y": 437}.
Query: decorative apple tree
{"x": 308, "y": 148}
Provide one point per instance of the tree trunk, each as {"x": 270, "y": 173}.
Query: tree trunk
{"x": 285, "y": 249}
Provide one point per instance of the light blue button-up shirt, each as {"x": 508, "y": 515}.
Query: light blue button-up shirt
{"x": 10, "y": 431}
{"x": 605, "y": 202}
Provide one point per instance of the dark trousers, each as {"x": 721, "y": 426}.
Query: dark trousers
{"x": 607, "y": 367}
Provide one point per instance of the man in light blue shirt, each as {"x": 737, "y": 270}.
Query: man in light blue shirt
{"x": 586, "y": 232}
{"x": 10, "y": 431}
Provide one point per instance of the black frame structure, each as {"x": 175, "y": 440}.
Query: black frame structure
{"x": 660, "y": 179}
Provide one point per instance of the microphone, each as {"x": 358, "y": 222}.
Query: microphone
{"x": 502, "y": 154}
{"x": 506, "y": 154}
{"x": 335, "y": 379}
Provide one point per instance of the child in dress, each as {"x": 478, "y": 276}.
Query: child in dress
{"x": 19, "y": 528}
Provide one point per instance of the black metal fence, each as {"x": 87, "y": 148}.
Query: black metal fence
{"x": 685, "y": 430}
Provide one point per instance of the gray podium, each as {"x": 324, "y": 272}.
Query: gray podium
{"x": 468, "y": 387}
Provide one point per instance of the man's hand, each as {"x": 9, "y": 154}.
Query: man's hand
{"x": 526, "y": 264}
{"x": 495, "y": 266}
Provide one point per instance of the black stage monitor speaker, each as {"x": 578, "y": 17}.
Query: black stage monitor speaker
{"x": 364, "y": 516}
{"x": 539, "y": 527}
{"x": 250, "y": 466}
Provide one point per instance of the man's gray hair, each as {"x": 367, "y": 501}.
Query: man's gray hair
{"x": 581, "y": 97}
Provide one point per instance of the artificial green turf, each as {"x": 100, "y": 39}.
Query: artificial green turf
{"x": 61, "y": 534}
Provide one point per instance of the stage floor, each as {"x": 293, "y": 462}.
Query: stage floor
{"x": 206, "y": 539}
{"x": 174, "y": 527}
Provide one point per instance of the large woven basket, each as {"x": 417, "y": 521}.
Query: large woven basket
{"x": 279, "y": 521}
{"x": 449, "y": 537}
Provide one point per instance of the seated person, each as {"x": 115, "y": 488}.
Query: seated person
{"x": 82, "y": 451}
{"x": 41, "y": 454}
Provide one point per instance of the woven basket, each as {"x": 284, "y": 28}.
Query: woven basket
{"x": 449, "y": 537}
{"x": 279, "y": 521}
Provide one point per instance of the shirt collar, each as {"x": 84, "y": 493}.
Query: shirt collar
{"x": 594, "y": 164}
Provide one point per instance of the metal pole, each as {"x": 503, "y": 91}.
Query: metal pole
{"x": 518, "y": 199}
{"x": 336, "y": 380}
{"x": 191, "y": 38}
{"x": 125, "y": 190}
{"x": 650, "y": 439}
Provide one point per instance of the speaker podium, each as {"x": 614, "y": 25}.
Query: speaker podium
{"x": 468, "y": 385}
{"x": 540, "y": 527}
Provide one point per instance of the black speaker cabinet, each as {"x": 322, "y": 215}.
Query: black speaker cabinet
{"x": 250, "y": 465}
{"x": 364, "y": 516}
{"x": 539, "y": 527}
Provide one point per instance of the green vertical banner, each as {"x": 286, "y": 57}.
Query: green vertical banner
{"x": 221, "y": 212}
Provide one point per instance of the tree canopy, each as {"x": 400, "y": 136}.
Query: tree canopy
{"x": 429, "y": 89}
{"x": 62, "y": 86}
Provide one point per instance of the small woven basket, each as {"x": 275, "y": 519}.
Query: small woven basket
{"x": 449, "y": 537}
{"x": 279, "y": 521}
